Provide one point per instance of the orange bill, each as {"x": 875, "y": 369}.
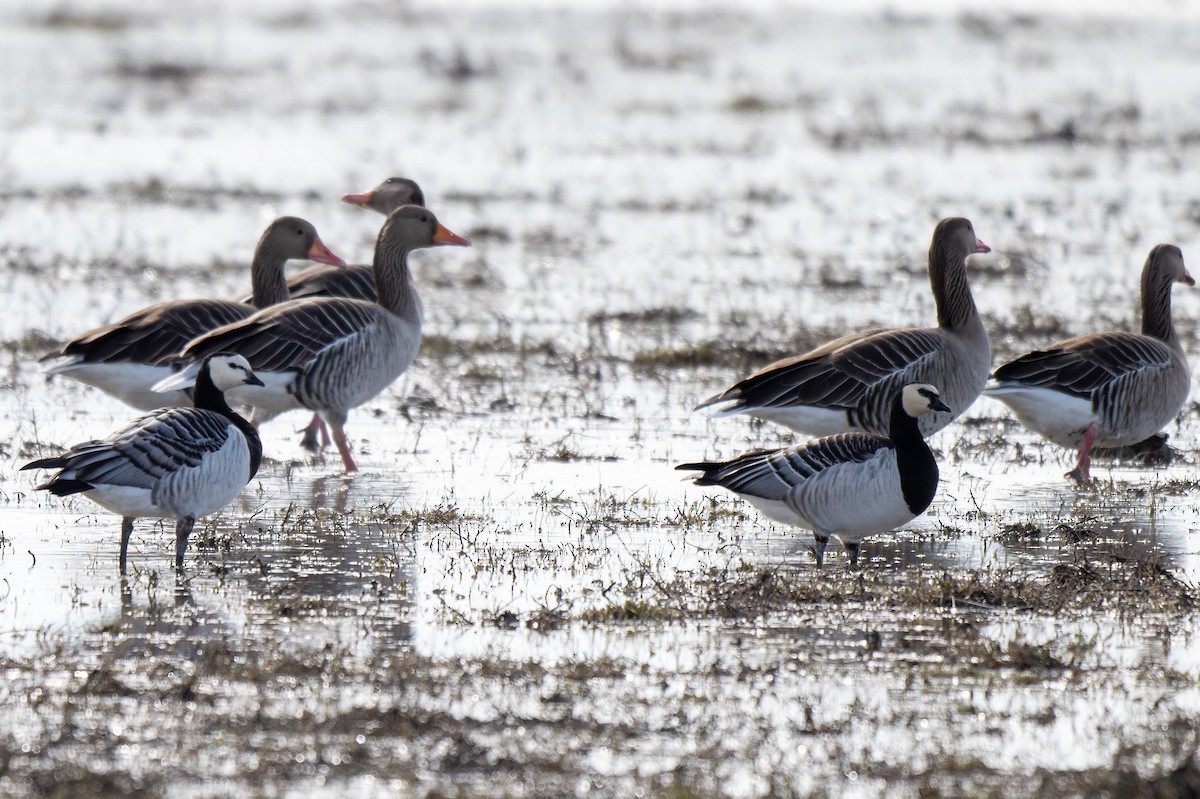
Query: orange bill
{"x": 443, "y": 236}
{"x": 320, "y": 253}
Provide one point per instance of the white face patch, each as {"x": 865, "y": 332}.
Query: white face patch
{"x": 917, "y": 397}
{"x": 229, "y": 371}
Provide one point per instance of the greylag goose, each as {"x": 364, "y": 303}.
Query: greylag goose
{"x": 123, "y": 359}
{"x": 356, "y": 281}
{"x": 174, "y": 463}
{"x": 331, "y": 354}
{"x": 848, "y": 384}
{"x": 1106, "y": 389}
{"x": 849, "y": 485}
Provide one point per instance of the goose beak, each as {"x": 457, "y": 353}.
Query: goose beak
{"x": 360, "y": 199}
{"x": 938, "y": 405}
{"x": 253, "y": 380}
{"x": 445, "y": 237}
{"x": 321, "y": 254}
{"x": 981, "y": 247}
{"x": 1187, "y": 278}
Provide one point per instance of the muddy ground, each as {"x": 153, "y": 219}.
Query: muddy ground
{"x": 518, "y": 596}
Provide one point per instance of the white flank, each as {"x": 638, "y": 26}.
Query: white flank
{"x": 816, "y": 422}
{"x": 1060, "y": 417}
{"x": 131, "y": 383}
{"x": 177, "y": 380}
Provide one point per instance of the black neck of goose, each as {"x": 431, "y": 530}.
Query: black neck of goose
{"x": 392, "y": 282}
{"x": 208, "y": 397}
{"x": 914, "y": 460}
{"x": 1156, "y": 309}
{"x": 948, "y": 278}
{"x": 268, "y": 285}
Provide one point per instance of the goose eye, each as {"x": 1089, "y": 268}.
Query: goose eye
{"x": 424, "y": 219}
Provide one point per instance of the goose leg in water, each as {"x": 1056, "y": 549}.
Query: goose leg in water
{"x": 183, "y": 528}
{"x": 126, "y": 532}
{"x": 339, "y": 438}
{"x": 1082, "y": 470}
{"x": 316, "y": 435}
{"x": 819, "y": 549}
{"x": 852, "y": 550}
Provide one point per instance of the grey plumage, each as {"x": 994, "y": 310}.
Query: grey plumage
{"x": 1107, "y": 389}
{"x": 178, "y": 463}
{"x": 848, "y": 485}
{"x": 125, "y": 358}
{"x": 848, "y": 384}
{"x": 331, "y": 354}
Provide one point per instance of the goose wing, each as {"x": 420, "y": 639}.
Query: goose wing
{"x": 153, "y": 333}
{"x": 838, "y": 374}
{"x": 1082, "y": 365}
{"x": 152, "y": 447}
{"x": 354, "y": 282}
{"x": 288, "y": 335}
{"x": 773, "y": 473}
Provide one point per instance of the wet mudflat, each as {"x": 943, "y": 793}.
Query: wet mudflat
{"x": 518, "y": 596}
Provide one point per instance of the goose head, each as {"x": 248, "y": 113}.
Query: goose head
{"x": 1165, "y": 265}
{"x": 919, "y": 399}
{"x": 388, "y": 196}
{"x": 958, "y": 234}
{"x": 410, "y": 227}
{"x": 291, "y": 237}
{"x": 229, "y": 371}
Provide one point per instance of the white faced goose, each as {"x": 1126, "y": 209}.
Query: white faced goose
{"x": 122, "y": 359}
{"x": 849, "y": 485}
{"x": 848, "y": 384}
{"x": 1106, "y": 389}
{"x": 174, "y": 463}
{"x": 332, "y": 354}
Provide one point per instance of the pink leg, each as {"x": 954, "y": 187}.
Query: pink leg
{"x": 1083, "y": 465}
{"x": 316, "y": 435}
{"x": 339, "y": 438}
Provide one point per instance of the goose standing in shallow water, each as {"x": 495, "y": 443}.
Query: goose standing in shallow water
{"x": 356, "y": 281}
{"x": 849, "y": 485}
{"x": 1106, "y": 389}
{"x": 332, "y": 354}
{"x": 848, "y": 384}
{"x": 174, "y": 463}
{"x": 123, "y": 359}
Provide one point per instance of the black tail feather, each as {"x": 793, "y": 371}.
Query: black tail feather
{"x": 53, "y": 462}
{"x": 62, "y": 488}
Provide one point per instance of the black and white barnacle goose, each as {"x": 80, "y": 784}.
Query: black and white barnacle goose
{"x": 849, "y": 485}
{"x": 1106, "y": 389}
{"x": 332, "y": 354}
{"x": 174, "y": 463}
{"x": 848, "y": 384}
{"x": 123, "y": 359}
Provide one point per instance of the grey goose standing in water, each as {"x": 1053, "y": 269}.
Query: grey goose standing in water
{"x": 124, "y": 359}
{"x": 848, "y": 384}
{"x": 332, "y": 354}
{"x": 1106, "y": 389}
{"x": 849, "y": 485}
{"x": 173, "y": 463}
{"x": 356, "y": 281}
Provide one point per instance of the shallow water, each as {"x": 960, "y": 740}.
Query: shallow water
{"x": 518, "y": 595}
